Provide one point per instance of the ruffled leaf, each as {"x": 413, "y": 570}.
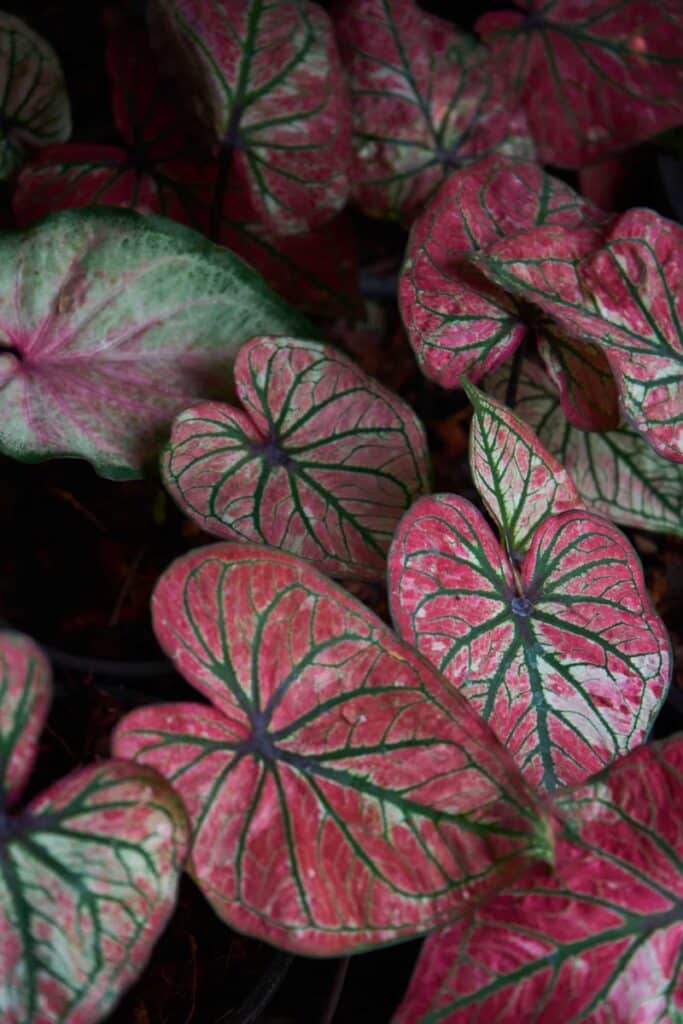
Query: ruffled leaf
{"x": 25, "y": 692}
{"x": 322, "y": 462}
{"x": 567, "y": 662}
{"x": 342, "y": 793}
{"x": 599, "y": 939}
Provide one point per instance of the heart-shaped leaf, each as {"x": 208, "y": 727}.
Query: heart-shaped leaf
{"x": 458, "y": 324}
{"x": 88, "y": 870}
{"x": 617, "y": 474}
{"x": 110, "y": 324}
{"x": 592, "y": 77}
{"x": 625, "y": 296}
{"x": 34, "y": 107}
{"x": 567, "y": 661}
{"x": 342, "y": 793}
{"x": 519, "y": 481}
{"x": 271, "y": 92}
{"x": 598, "y": 939}
{"x": 322, "y": 463}
{"x": 425, "y": 99}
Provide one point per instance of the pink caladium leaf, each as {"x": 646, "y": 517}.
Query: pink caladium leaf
{"x": 617, "y": 473}
{"x": 580, "y": 371}
{"x": 625, "y": 296}
{"x": 321, "y": 461}
{"x": 592, "y": 77}
{"x": 34, "y": 107}
{"x": 88, "y": 870}
{"x": 110, "y": 323}
{"x": 342, "y": 793}
{"x": 270, "y": 90}
{"x": 458, "y": 324}
{"x": 598, "y": 939}
{"x": 565, "y": 658}
{"x": 425, "y": 100}
{"x": 518, "y": 480}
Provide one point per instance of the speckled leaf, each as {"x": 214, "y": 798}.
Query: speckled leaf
{"x": 425, "y": 100}
{"x": 322, "y": 462}
{"x": 24, "y": 701}
{"x": 580, "y": 372}
{"x": 593, "y": 77}
{"x": 459, "y": 324}
{"x": 599, "y": 940}
{"x": 34, "y": 107}
{"x": 270, "y": 90}
{"x": 519, "y": 481}
{"x": 342, "y": 793}
{"x": 625, "y": 296}
{"x": 616, "y": 473}
{"x": 565, "y": 659}
{"x": 111, "y": 323}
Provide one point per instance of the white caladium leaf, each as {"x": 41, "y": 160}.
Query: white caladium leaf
{"x": 342, "y": 793}
{"x": 321, "y": 461}
{"x": 617, "y": 473}
{"x": 88, "y": 870}
{"x": 518, "y": 480}
{"x": 566, "y": 658}
{"x": 34, "y": 108}
{"x": 110, "y": 323}
{"x": 600, "y": 938}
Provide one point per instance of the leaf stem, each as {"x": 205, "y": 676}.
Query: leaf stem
{"x": 515, "y": 371}
{"x": 252, "y": 1007}
{"x": 230, "y": 142}
{"x": 336, "y": 991}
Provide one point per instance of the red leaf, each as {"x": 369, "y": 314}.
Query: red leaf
{"x": 322, "y": 462}
{"x": 25, "y": 693}
{"x": 592, "y": 77}
{"x": 569, "y": 664}
{"x": 580, "y": 372}
{"x": 342, "y": 793}
{"x": 425, "y": 99}
{"x": 599, "y": 939}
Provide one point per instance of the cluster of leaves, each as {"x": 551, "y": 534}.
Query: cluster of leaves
{"x": 481, "y": 770}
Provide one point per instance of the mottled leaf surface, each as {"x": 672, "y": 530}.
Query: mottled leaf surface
{"x": 518, "y": 480}
{"x": 271, "y": 94}
{"x": 342, "y": 793}
{"x": 625, "y": 296}
{"x": 599, "y": 939}
{"x": 460, "y": 325}
{"x": 592, "y": 77}
{"x": 617, "y": 473}
{"x": 24, "y": 700}
{"x": 322, "y": 460}
{"x": 425, "y": 100}
{"x": 34, "y": 106}
{"x": 565, "y": 659}
{"x": 110, "y": 323}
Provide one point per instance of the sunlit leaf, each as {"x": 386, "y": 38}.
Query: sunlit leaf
{"x": 565, "y": 659}
{"x": 322, "y": 460}
{"x": 342, "y": 793}
{"x": 593, "y": 77}
{"x": 599, "y": 939}
{"x": 110, "y": 323}
{"x": 425, "y": 100}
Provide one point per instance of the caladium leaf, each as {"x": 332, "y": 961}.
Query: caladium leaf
{"x": 425, "y": 99}
{"x": 88, "y": 870}
{"x": 110, "y": 324}
{"x": 457, "y": 323}
{"x": 322, "y": 462}
{"x": 625, "y": 296}
{"x": 518, "y": 480}
{"x": 592, "y": 78}
{"x": 617, "y": 474}
{"x": 597, "y": 939}
{"x": 580, "y": 372}
{"x": 566, "y": 659}
{"x": 34, "y": 107}
{"x": 342, "y": 793}
{"x": 271, "y": 92}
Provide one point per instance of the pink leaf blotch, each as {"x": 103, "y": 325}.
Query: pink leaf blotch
{"x": 599, "y": 939}
{"x": 565, "y": 658}
{"x": 321, "y": 461}
{"x": 342, "y": 793}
